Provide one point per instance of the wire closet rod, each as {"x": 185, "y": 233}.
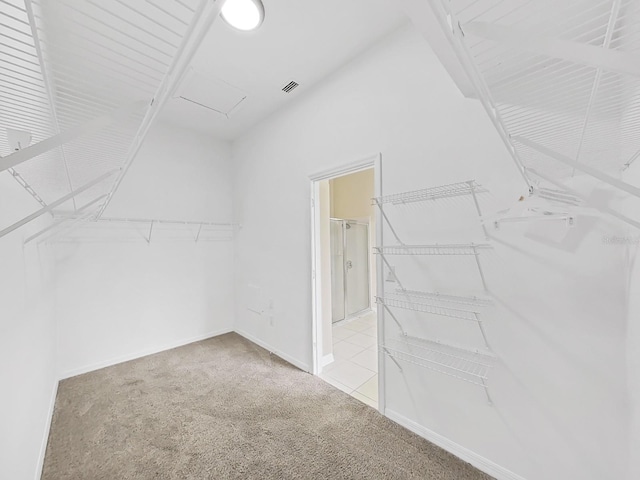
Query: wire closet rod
{"x": 160, "y": 222}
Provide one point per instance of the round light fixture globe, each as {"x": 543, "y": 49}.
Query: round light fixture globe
{"x": 243, "y": 15}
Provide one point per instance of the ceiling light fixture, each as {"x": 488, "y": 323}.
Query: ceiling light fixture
{"x": 243, "y": 15}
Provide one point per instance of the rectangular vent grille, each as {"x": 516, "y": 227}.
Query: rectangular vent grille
{"x": 290, "y": 86}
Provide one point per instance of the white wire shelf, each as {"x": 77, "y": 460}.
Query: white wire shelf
{"x": 558, "y": 196}
{"x": 466, "y": 365}
{"x": 432, "y": 193}
{"x": 569, "y": 110}
{"x": 451, "y": 312}
{"x": 450, "y": 249}
{"x": 473, "y": 301}
{"x": 467, "y": 314}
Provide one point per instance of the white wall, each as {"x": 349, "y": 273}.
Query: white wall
{"x": 560, "y": 405}
{"x": 630, "y": 243}
{"x": 27, "y": 338}
{"x": 119, "y": 297}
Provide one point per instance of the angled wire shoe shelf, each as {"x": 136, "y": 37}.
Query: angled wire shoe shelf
{"x": 390, "y": 301}
{"x": 459, "y": 189}
{"x": 456, "y": 362}
{"x": 394, "y": 301}
{"x": 459, "y": 300}
{"x": 470, "y": 249}
{"x": 433, "y": 193}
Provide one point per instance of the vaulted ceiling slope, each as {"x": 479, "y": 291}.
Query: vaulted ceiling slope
{"x": 561, "y": 80}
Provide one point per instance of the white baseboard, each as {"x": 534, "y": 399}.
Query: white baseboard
{"x": 142, "y": 353}
{"x": 266, "y": 346}
{"x": 481, "y": 463}
{"x": 327, "y": 359}
{"x": 47, "y": 428}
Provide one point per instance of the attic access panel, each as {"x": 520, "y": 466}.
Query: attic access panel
{"x": 210, "y": 93}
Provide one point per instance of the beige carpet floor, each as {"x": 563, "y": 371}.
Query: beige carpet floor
{"x": 225, "y": 408}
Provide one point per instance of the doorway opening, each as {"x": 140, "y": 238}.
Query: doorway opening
{"x": 345, "y": 321}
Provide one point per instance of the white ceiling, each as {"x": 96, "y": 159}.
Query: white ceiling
{"x": 299, "y": 40}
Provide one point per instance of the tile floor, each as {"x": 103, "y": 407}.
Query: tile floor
{"x": 355, "y": 366}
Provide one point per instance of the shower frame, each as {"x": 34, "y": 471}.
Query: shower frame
{"x": 345, "y": 302}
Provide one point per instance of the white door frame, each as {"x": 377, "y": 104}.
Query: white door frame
{"x": 372, "y": 161}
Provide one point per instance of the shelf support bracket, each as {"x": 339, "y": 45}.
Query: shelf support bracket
{"x": 476, "y": 255}
{"x": 386, "y": 219}
{"x": 150, "y": 232}
{"x": 484, "y": 334}
{"x": 472, "y": 187}
{"x": 486, "y": 391}
{"x": 388, "y": 310}
{"x": 392, "y": 358}
{"x": 386, "y": 262}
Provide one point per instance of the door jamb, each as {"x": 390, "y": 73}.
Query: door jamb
{"x": 371, "y": 161}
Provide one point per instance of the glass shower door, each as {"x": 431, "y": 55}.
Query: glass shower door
{"x": 356, "y": 267}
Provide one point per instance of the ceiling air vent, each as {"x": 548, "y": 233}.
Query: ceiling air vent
{"x": 290, "y": 86}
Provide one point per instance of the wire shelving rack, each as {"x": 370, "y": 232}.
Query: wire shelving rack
{"x": 462, "y": 364}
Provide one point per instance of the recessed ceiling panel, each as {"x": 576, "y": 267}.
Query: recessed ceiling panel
{"x": 211, "y": 93}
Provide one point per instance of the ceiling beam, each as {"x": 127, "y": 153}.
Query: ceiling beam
{"x": 60, "y": 139}
{"x": 580, "y": 53}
